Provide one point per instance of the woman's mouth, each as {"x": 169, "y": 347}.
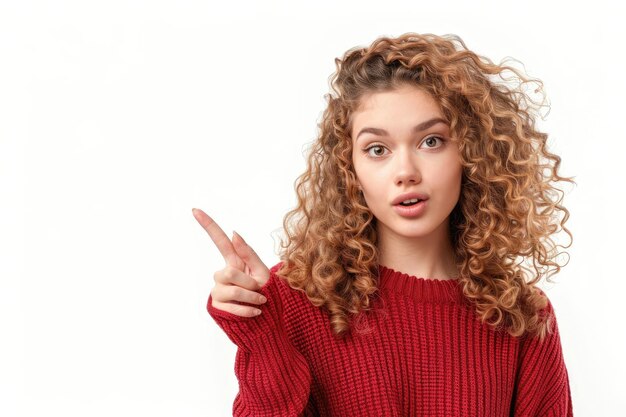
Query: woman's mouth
{"x": 411, "y": 209}
{"x": 411, "y": 202}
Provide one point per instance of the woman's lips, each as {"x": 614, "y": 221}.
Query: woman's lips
{"x": 411, "y": 211}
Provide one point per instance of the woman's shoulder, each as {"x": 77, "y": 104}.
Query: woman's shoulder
{"x": 287, "y": 290}
{"x": 296, "y": 303}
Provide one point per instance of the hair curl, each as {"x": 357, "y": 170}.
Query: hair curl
{"x": 507, "y": 210}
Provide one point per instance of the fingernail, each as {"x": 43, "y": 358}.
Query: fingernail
{"x": 263, "y": 299}
{"x": 238, "y": 235}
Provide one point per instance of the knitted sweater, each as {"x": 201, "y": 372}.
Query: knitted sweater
{"x": 427, "y": 355}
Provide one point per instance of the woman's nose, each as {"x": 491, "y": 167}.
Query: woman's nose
{"x": 407, "y": 169}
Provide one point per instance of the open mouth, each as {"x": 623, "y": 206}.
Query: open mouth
{"x": 411, "y": 203}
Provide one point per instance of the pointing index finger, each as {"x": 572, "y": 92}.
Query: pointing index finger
{"x": 217, "y": 235}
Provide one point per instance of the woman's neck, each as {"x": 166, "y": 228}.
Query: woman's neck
{"x": 429, "y": 256}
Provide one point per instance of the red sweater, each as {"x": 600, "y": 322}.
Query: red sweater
{"x": 429, "y": 355}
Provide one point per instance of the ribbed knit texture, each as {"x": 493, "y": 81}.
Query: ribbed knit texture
{"x": 427, "y": 355}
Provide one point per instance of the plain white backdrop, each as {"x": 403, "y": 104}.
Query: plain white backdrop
{"x": 117, "y": 117}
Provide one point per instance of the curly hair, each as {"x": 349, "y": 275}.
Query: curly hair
{"x": 507, "y": 210}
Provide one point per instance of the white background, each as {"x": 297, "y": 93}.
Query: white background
{"x": 117, "y": 117}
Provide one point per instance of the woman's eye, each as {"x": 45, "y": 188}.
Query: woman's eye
{"x": 367, "y": 150}
{"x": 430, "y": 139}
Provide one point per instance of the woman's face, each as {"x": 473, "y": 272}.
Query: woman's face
{"x": 393, "y": 155}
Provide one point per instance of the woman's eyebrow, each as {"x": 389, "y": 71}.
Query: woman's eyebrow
{"x": 416, "y": 129}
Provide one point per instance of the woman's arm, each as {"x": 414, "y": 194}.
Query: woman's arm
{"x": 542, "y": 384}
{"x": 274, "y": 377}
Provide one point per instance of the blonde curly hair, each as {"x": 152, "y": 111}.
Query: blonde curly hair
{"x": 507, "y": 210}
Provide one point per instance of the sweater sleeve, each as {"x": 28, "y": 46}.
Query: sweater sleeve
{"x": 274, "y": 378}
{"x": 542, "y": 384}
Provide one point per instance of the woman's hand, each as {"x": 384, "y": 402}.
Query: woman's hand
{"x": 243, "y": 275}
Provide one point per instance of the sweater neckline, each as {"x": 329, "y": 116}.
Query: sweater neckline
{"x": 420, "y": 288}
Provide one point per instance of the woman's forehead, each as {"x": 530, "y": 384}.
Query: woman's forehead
{"x": 382, "y": 110}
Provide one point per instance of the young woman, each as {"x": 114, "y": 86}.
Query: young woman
{"x": 401, "y": 290}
